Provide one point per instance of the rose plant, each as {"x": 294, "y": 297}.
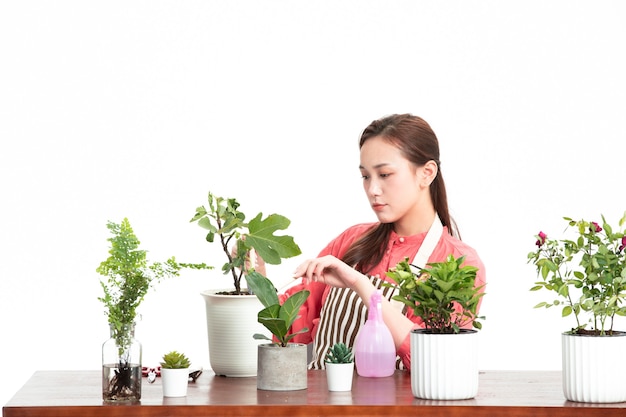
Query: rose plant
{"x": 587, "y": 272}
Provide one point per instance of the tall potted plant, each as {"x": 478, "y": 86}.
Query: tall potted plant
{"x": 128, "y": 277}
{"x": 282, "y": 365}
{"x": 232, "y": 351}
{"x": 444, "y": 360}
{"x": 587, "y": 273}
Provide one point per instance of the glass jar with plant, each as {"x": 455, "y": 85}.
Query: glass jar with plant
{"x": 128, "y": 277}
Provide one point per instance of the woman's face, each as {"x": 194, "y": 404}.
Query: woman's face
{"x": 392, "y": 183}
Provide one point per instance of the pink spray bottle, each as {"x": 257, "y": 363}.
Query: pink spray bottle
{"x": 374, "y": 349}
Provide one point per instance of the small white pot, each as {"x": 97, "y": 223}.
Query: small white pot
{"x": 174, "y": 382}
{"x": 339, "y": 376}
{"x": 593, "y": 370}
{"x": 444, "y": 366}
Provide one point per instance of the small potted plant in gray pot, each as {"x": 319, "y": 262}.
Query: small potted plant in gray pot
{"x": 282, "y": 365}
{"x": 444, "y": 354}
{"x": 175, "y": 374}
{"x": 587, "y": 273}
{"x": 339, "y": 364}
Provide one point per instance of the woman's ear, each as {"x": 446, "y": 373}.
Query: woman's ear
{"x": 429, "y": 173}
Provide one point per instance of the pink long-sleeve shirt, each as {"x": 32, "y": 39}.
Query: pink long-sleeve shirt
{"x": 398, "y": 248}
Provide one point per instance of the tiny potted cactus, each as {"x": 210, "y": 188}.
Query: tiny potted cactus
{"x": 339, "y": 363}
{"x": 175, "y": 374}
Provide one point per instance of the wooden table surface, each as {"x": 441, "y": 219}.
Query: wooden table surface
{"x": 507, "y": 393}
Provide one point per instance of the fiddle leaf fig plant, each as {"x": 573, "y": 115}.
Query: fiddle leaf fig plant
{"x": 443, "y": 294}
{"x": 223, "y": 219}
{"x": 586, "y": 272}
{"x": 275, "y": 317}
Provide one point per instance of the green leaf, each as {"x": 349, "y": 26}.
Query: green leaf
{"x": 567, "y": 310}
{"x": 269, "y": 246}
{"x": 263, "y": 288}
{"x": 291, "y": 307}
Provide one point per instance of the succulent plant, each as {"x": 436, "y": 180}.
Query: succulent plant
{"x": 175, "y": 360}
{"x": 339, "y": 353}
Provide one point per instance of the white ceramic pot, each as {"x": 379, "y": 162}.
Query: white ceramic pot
{"x": 593, "y": 368}
{"x": 231, "y": 323}
{"x": 282, "y": 368}
{"x": 339, "y": 376}
{"x": 444, "y": 366}
{"x": 174, "y": 382}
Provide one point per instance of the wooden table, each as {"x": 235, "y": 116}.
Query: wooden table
{"x": 501, "y": 393}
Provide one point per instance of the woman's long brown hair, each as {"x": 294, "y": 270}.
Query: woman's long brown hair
{"x": 418, "y": 143}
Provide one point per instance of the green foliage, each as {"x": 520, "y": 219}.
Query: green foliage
{"x": 175, "y": 360}
{"x": 443, "y": 294}
{"x": 129, "y": 276}
{"x": 275, "y": 317}
{"x": 339, "y": 353}
{"x": 223, "y": 218}
{"x": 587, "y": 273}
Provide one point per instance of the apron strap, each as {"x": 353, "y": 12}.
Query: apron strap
{"x": 428, "y": 245}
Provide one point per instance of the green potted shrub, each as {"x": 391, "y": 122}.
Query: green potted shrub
{"x": 586, "y": 272}
{"x": 445, "y": 296}
{"x": 128, "y": 277}
{"x": 175, "y": 374}
{"x": 232, "y": 352}
{"x": 282, "y": 365}
{"x": 339, "y": 364}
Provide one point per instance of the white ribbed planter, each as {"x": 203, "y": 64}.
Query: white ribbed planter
{"x": 594, "y": 368}
{"x": 444, "y": 366}
{"x": 174, "y": 382}
{"x": 231, "y": 323}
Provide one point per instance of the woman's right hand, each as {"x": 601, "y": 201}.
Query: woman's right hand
{"x": 328, "y": 270}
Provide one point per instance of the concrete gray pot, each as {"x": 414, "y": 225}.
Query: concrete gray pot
{"x": 282, "y": 368}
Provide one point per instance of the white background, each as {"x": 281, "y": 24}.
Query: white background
{"x": 112, "y": 109}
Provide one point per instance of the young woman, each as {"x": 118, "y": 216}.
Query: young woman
{"x": 402, "y": 178}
